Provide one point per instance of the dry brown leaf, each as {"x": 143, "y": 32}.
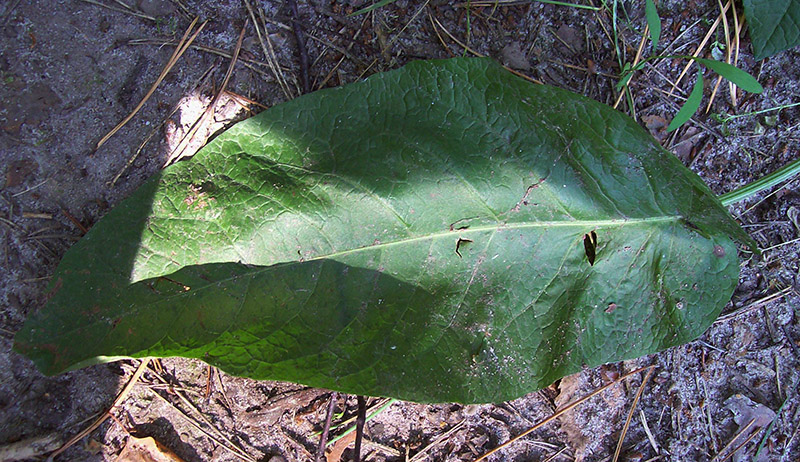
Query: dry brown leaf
{"x": 146, "y": 450}
{"x": 335, "y": 455}
{"x": 657, "y": 126}
{"x": 30, "y": 448}
{"x": 18, "y": 171}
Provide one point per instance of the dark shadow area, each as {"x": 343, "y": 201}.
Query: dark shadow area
{"x": 161, "y": 430}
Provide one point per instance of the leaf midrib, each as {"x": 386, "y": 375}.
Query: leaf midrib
{"x": 454, "y": 233}
{"x": 500, "y": 226}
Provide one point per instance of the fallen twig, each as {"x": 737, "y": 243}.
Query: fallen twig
{"x": 323, "y": 439}
{"x": 122, "y": 395}
{"x": 301, "y": 46}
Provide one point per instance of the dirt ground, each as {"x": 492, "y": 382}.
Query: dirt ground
{"x": 71, "y": 70}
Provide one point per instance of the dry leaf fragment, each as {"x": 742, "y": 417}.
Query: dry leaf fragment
{"x": 146, "y": 450}
{"x": 335, "y": 454}
{"x": 18, "y": 171}
{"x": 30, "y": 448}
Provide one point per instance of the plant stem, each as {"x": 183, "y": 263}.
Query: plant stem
{"x": 369, "y": 417}
{"x": 323, "y": 439}
{"x": 362, "y": 418}
{"x": 371, "y": 7}
{"x": 573, "y": 5}
{"x": 748, "y": 190}
{"x": 727, "y": 118}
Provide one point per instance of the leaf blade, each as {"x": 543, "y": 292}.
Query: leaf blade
{"x": 654, "y": 21}
{"x": 439, "y": 209}
{"x": 690, "y": 106}
{"x": 739, "y": 77}
{"x": 774, "y": 25}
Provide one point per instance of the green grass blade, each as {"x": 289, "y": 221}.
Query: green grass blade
{"x": 748, "y": 190}
{"x": 739, "y": 77}
{"x": 572, "y": 5}
{"x": 351, "y": 428}
{"x": 690, "y": 107}
{"x": 614, "y": 28}
{"x": 371, "y": 7}
{"x": 769, "y": 430}
{"x": 654, "y": 21}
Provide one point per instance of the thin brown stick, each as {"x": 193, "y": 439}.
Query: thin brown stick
{"x": 741, "y": 432}
{"x": 153, "y": 132}
{"x": 700, "y": 47}
{"x": 302, "y": 52}
{"x": 252, "y": 64}
{"x": 459, "y": 42}
{"x": 121, "y": 397}
{"x": 635, "y": 62}
{"x": 341, "y": 60}
{"x": 560, "y": 412}
{"x": 177, "y": 153}
{"x": 184, "y": 10}
{"x": 441, "y": 40}
{"x": 438, "y": 24}
{"x": 220, "y": 438}
{"x": 243, "y": 100}
{"x": 754, "y": 306}
{"x": 362, "y": 418}
{"x": 395, "y": 38}
{"x": 737, "y": 32}
{"x": 127, "y": 10}
{"x": 727, "y": 33}
{"x": 183, "y": 45}
{"x": 323, "y": 438}
{"x": 269, "y": 52}
{"x": 75, "y": 221}
{"x": 630, "y": 414}
{"x": 741, "y": 445}
{"x": 419, "y": 455}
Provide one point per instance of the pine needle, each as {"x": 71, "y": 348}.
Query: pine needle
{"x": 183, "y": 45}
{"x": 560, "y": 412}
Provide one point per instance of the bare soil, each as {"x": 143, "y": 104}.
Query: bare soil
{"x": 71, "y": 70}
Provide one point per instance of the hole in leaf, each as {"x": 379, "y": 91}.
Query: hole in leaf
{"x": 690, "y": 225}
{"x": 461, "y": 241}
{"x": 590, "y": 246}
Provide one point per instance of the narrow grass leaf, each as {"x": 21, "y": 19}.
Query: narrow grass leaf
{"x": 751, "y": 189}
{"x": 571, "y": 5}
{"x": 623, "y": 82}
{"x": 371, "y": 7}
{"x": 739, "y": 77}
{"x": 690, "y": 106}
{"x": 654, "y": 21}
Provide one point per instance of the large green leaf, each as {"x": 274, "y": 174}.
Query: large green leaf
{"x": 443, "y": 232}
{"x": 774, "y": 25}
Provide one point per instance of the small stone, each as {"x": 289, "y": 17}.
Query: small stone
{"x": 156, "y": 7}
{"x": 793, "y": 213}
{"x": 571, "y": 38}
{"x": 515, "y": 58}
